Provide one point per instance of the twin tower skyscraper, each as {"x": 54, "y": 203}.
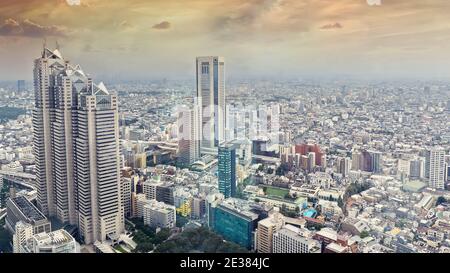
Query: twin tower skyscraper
{"x": 76, "y": 149}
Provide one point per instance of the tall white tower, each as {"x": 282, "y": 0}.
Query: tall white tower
{"x": 55, "y": 83}
{"x": 437, "y": 168}
{"x": 188, "y": 134}
{"x": 97, "y": 156}
{"x": 211, "y": 96}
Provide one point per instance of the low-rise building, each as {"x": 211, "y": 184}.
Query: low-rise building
{"x": 159, "y": 215}
{"x": 290, "y": 240}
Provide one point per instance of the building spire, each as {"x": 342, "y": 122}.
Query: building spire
{"x": 44, "y": 46}
{"x": 57, "y": 45}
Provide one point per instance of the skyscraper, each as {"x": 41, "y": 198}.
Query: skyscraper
{"x": 227, "y": 170}
{"x": 20, "y": 86}
{"x": 427, "y": 164}
{"x": 188, "y": 134}
{"x": 356, "y": 158}
{"x": 376, "y": 161}
{"x": 46, "y": 71}
{"x": 437, "y": 168}
{"x": 344, "y": 166}
{"x": 211, "y": 97}
{"x": 76, "y": 146}
{"x": 98, "y": 165}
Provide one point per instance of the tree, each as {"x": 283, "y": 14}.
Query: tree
{"x": 440, "y": 200}
{"x": 144, "y": 247}
{"x": 161, "y": 236}
{"x": 181, "y": 221}
{"x": 282, "y": 169}
{"x": 5, "y": 239}
{"x": 198, "y": 240}
{"x": 340, "y": 202}
{"x": 364, "y": 234}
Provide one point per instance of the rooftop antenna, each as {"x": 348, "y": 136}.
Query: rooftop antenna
{"x": 44, "y": 46}
{"x": 57, "y": 45}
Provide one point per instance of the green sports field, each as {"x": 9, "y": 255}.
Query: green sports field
{"x": 275, "y": 191}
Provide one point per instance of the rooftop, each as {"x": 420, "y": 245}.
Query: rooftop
{"x": 28, "y": 209}
{"x": 57, "y": 237}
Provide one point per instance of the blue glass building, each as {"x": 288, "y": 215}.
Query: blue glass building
{"x": 227, "y": 170}
{"x": 235, "y": 225}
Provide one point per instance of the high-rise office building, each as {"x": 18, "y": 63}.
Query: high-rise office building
{"x": 426, "y": 155}
{"x": 98, "y": 165}
{"x": 46, "y": 70}
{"x": 343, "y": 166}
{"x": 437, "y": 168}
{"x": 376, "y": 161}
{"x": 227, "y": 170}
{"x": 188, "y": 134}
{"x": 356, "y": 155}
{"x": 76, "y": 146}
{"x": 266, "y": 228}
{"x": 365, "y": 161}
{"x": 417, "y": 168}
{"x": 20, "y": 86}
{"x": 211, "y": 97}
{"x": 447, "y": 168}
{"x": 311, "y": 161}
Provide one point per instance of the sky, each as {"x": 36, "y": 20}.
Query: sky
{"x": 155, "y": 39}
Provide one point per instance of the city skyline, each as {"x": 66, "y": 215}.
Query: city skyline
{"x": 299, "y": 168}
{"x": 256, "y": 126}
{"x": 267, "y": 38}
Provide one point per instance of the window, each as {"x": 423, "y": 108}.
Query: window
{"x": 205, "y": 68}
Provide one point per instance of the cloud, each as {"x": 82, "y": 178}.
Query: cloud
{"x": 331, "y": 26}
{"x": 27, "y": 28}
{"x": 162, "y": 25}
{"x": 245, "y": 14}
{"x": 73, "y": 2}
{"x": 10, "y": 28}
